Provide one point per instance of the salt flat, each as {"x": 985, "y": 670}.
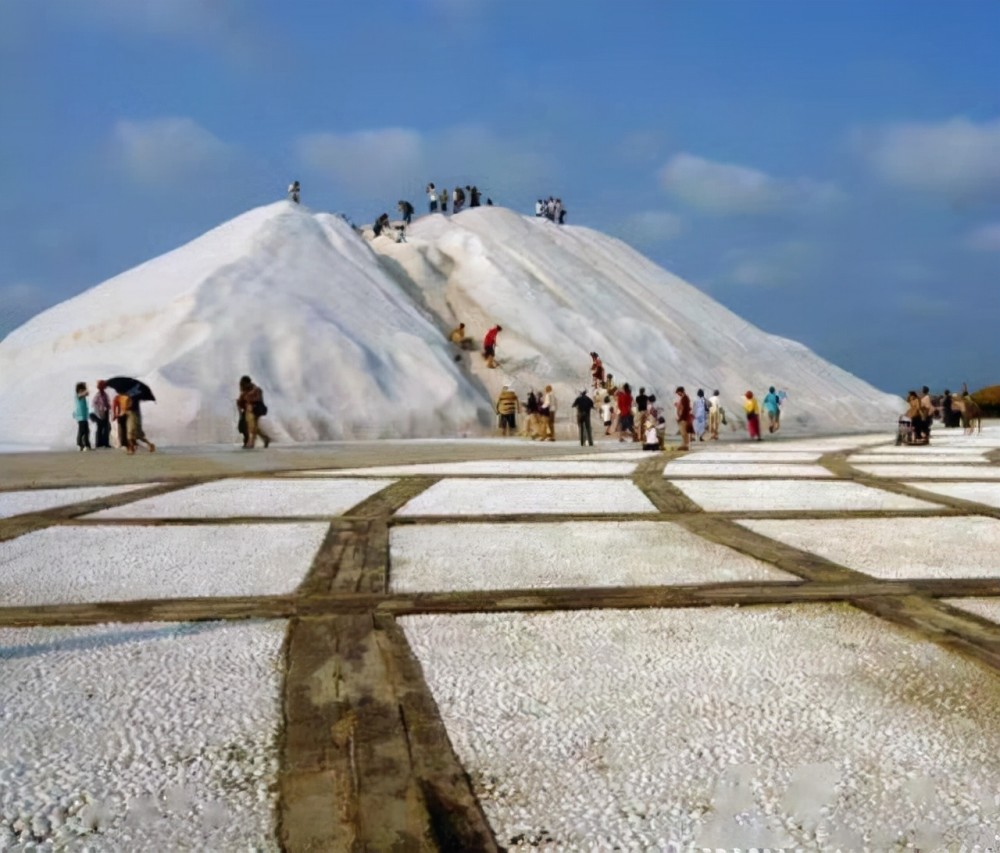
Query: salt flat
{"x": 159, "y": 736}
{"x": 249, "y": 497}
{"x": 108, "y": 563}
{"x": 602, "y": 452}
{"x": 935, "y": 448}
{"x": 933, "y": 472}
{"x": 781, "y": 495}
{"x": 988, "y": 608}
{"x": 501, "y": 467}
{"x": 918, "y": 458}
{"x": 702, "y": 457}
{"x": 743, "y": 469}
{"x": 896, "y": 548}
{"x": 984, "y": 493}
{"x": 813, "y": 726}
{"x": 514, "y": 497}
{"x": 38, "y": 500}
{"x": 538, "y": 555}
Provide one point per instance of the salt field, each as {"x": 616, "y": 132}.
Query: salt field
{"x": 537, "y": 497}
{"x": 839, "y": 731}
{"x": 743, "y": 469}
{"x": 39, "y": 500}
{"x": 247, "y": 498}
{"x": 523, "y": 556}
{"x": 983, "y": 493}
{"x": 141, "y": 747}
{"x": 787, "y": 495}
{"x": 504, "y": 467}
{"x": 896, "y": 548}
{"x": 109, "y": 563}
{"x": 933, "y": 472}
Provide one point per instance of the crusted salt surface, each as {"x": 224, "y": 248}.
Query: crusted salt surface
{"x": 703, "y": 456}
{"x": 518, "y": 556}
{"x": 918, "y": 458}
{"x": 516, "y": 497}
{"x": 957, "y": 547}
{"x": 984, "y": 493}
{"x": 781, "y": 495}
{"x": 934, "y": 472}
{"x": 815, "y": 445}
{"x": 988, "y": 608}
{"x": 811, "y": 725}
{"x": 37, "y": 500}
{"x": 249, "y": 498}
{"x": 488, "y": 467}
{"x": 743, "y": 469}
{"x": 140, "y": 737}
{"x": 607, "y": 453}
{"x": 78, "y": 564}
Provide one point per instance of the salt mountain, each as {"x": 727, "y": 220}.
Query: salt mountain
{"x": 348, "y": 337}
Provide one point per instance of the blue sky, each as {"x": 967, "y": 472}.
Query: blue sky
{"x": 828, "y": 170}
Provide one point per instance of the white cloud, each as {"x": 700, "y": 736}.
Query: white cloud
{"x": 986, "y": 238}
{"x": 773, "y": 267}
{"x": 957, "y": 158}
{"x": 160, "y": 151}
{"x": 727, "y": 188}
{"x": 399, "y": 161}
{"x": 648, "y": 227}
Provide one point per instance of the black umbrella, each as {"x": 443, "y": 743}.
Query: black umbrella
{"x": 131, "y": 387}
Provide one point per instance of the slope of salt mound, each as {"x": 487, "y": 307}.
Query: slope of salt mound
{"x": 560, "y": 292}
{"x": 297, "y": 300}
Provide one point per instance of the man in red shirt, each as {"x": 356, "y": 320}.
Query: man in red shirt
{"x": 625, "y": 422}
{"x": 490, "y": 346}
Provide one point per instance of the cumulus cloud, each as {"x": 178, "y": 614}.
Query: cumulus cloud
{"x": 389, "y": 161}
{"x": 777, "y": 266}
{"x": 986, "y": 238}
{"x": 958, "y": 158}
{"x": 727, "y": 188}
{"x": 649, "y": 227}
{"x": 160, "y": 151}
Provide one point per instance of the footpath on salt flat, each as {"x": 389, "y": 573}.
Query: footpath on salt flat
{"x": 488, "y": 644}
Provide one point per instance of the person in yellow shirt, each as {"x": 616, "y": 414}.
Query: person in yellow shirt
{"x": 752, "y": 409}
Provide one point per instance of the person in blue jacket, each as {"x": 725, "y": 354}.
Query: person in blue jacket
{"x": 81, "y": 414}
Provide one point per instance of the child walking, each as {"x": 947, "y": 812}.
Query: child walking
{"x": 81, "y": 414}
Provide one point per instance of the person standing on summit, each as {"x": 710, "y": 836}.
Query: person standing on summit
{"x": 490, "y": 345}
{"x": 293, "y": 191}
{"x": 432, "y": 198}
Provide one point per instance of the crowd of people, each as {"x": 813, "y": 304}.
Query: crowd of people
{"x": 125, "y": 410}
{"x": 437, "y": 199}
{"x": 639, "y": 417}
{"x": 551, "y": 209}
{"x": 921, "y": 409}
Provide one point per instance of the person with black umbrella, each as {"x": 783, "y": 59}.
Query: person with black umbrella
{"x": 128, "y": 405}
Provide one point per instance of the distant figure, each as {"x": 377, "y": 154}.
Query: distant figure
{"x": 293, "y": 191}
{"x": 459, "y": 199}
{"x": 81, "y": 414}
{"x": 683, "y": 408}
{"x": 119, "y": 411}
{"x": 406, "y": 209}
{"x": 531, "y": 425}
{"x": 700, "y": 415}
{"x": 507, "y": 407}
{"x": 772, "y": 406}
{"x": 443, "y": 199}
{"x": 474, "y": 196}
{"x": 251, "y": 404}
{"x": 596, "y": 370}
{"x": 490, "y": 345}
{"x": 557, "y": 211}
{"x": 752, "y": 409}
{"x": 583, "y": 405}
{"x": 926, "y": 415}
{"x": 547, "y": 410}
{"x": 432, "y": 198}
{"x": 380, "y": 224}
{"x": 625, "y": 419}
{"x": 651, "y": 440}
{"x": 489, "y": 202}
{"x": 607, "y": 414}
{"x": 458, "y": 337}
{"x": 539, "y": 208}
{"x": 714, "y": 416}
{"x": 134, "y": 430}
{"x": 101, "y": 406}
